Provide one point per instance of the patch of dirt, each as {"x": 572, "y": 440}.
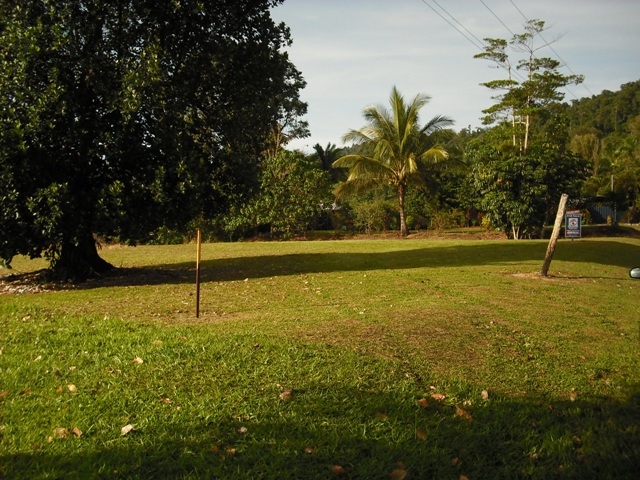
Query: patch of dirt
{"x": 32, "y": 282}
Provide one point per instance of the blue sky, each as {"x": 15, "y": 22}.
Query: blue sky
{"x": 352, "y": 52}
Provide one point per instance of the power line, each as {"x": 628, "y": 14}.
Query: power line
{"x": 548, "y": 44}
{"x": 480, "y": 47}
{"x": 494, "y": 14}
{"x": 453, "y": 26}
{"x": 481, "y": 42}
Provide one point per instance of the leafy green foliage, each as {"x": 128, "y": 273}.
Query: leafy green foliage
{"x": 613, "y": 153}
{"x": 293, "y": 193}
{"x": 519, "y": 192}
{"x": 532, "y": 85}
{"x": 132, "y": 115}
{"x": 606, "y": 113}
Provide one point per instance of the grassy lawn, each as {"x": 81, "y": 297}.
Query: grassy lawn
{"x": 329, "y": 359}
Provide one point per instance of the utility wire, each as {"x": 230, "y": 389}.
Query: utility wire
{"x": 481, "y": 42}
{"x": 566, "y": 65}
{"x": 453, "y": 26}
{"x": 497, "y": 17}
{"x": 480, "y": 47}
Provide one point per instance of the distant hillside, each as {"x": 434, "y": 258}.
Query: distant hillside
{"x": 607, "y": 112}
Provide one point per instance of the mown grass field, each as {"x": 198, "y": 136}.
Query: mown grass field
{"x": 328, "y": 359}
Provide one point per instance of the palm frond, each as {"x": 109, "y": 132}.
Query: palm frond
{"x": 353, "y": 188}
{"x": 356, "y": 136}
{"x": 439, "y": 122}
{"x": 434, "y": 155}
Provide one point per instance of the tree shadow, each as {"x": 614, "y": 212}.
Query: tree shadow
{"x": 501, "y": 438}
{"x": 451, "y": 256}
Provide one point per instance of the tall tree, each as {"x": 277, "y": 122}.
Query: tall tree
{"x": 532, "y": 84}
{"x": 393, "y": 145}
{"x": 522, "y": 165}
{"x": 119, "y": 116}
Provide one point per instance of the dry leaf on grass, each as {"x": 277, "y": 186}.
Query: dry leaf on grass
{"x": 286, "y": 395}
{"x": 421, "y": 433}
{"x": 423, "y": 402}
{"x": 464, "y": 414}
{"x": 166, "y": 400}
{"x": 72, "y": 387}
{"x": 126, "y": 429}
{"x": 485, "y": 395}
{"x": 437, "y": 396}
{"x": 60, "y": 432}
{"x": 398, "y": 474}
{"x": 137, "y": 360}
{"x": 76, "y": 431}
{"x": 338, "y": 470}
{"x": 243, "y": 430}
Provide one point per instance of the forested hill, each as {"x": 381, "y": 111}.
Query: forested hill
{"x": 607, "y": 112}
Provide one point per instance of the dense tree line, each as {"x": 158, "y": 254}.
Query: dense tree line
{"x": 485, "y": 180}
{"x": 143, "y": 120}
{"x": 605, "y": 132}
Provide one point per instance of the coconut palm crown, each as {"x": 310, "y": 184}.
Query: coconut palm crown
{"x": 392, "y": 147}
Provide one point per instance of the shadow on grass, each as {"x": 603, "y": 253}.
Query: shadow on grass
{"x": 608, "y": 253}
{"x": 509, "y": 254}
{"x": 506, "y": 438}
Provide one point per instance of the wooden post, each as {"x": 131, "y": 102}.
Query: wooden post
{"x": 199, "y": 243}
{"x": 562, "y": 207}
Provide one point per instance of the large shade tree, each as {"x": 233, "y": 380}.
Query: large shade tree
{"x": 392, "y": 148}
{"x": 120, "y": 116}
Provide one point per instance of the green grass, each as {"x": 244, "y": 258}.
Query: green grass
{"x": 360, "y": 331}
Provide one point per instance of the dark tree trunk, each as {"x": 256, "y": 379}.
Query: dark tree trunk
{"x": 79, "y": 261}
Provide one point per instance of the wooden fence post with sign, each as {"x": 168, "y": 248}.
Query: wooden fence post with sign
{"x": 554, "y": 236}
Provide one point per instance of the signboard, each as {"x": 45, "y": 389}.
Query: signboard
{"x": 573, "y": 224}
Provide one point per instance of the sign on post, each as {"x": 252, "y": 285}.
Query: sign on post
{"x": 573, "y": 224}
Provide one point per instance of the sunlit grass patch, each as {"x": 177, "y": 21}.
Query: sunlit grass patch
{"x": 436, "y": 359}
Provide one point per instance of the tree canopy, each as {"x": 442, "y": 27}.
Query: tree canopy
{"x": 119, "y": 116}
{"x": 523, "y": 165}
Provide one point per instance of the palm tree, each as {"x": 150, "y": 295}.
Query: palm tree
{"x": 326, "y": 157}
{"x": 392, "y": 147}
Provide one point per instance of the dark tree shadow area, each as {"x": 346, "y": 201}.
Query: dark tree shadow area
{"x": 609, "y": 253}
{"x": 459, "y": 256}
{"x": 521, "y": 438}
